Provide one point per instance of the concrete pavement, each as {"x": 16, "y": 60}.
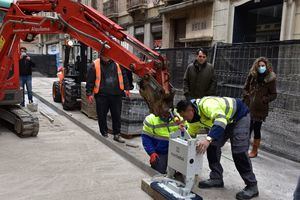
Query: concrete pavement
{"x": 64, "y": 162}
{"x": 277, "y": 177}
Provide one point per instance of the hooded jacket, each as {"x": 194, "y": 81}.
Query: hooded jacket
{"x": 257, "y": 95}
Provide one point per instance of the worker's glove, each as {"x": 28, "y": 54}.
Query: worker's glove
{"x": 153, "y": 158}
{"x": 127, "y": 93}
{"x": 90, "y": 99}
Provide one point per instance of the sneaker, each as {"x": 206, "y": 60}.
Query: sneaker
{"x": 105, "y": 135}
{"x": 118, "y": 138}
{"x": 248, "y": 192}
{"x": 209, "y": 183}
{"x": 30, "y": 101}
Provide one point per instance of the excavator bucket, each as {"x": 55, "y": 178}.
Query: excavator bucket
{"x": 159, "y": 102}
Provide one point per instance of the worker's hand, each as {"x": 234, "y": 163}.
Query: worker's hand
{"x": 90, "y": 99}
{"x": 127, "y": 93}
{"x": 181, "y": 127}
{"x": 27, "y": 58}
{"x": 202, "y": 146}
{"x": 153, "y": 158}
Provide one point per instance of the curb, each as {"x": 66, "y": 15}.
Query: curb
{"x": 129, "y": 157}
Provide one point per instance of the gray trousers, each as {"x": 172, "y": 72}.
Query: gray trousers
{"x": 161, "y": 163}
{"x": 238, "y": 133}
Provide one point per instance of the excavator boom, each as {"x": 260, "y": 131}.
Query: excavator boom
{"x": 23, "y": 21}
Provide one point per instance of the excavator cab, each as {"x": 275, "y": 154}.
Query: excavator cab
{"x": 67, "y": 89}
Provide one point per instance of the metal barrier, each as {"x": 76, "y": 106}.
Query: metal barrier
{"x": 232, "y": 63}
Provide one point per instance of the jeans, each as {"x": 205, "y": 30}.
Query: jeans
{"x": 26, "y": 80}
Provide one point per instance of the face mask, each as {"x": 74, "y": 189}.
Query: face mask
{"x": 262, "y": 69}
{"x": 23, "y": 54}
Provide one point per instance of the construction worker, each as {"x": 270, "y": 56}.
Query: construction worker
{"x": 25, "y": 70}
{"x": 106, "y": 82}
{"x": 227, "y": 118}
{"x": 155, "y": 139}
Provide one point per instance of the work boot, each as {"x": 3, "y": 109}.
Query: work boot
{"x": 209, "y": 183}
{"x": 255, "y": 147}
{"x": 248, "y": 192}
{"x": 118, "y": 139}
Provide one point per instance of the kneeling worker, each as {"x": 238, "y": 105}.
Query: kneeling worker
{"x": 155, "y": 139}
{"x": 227, "y": 118}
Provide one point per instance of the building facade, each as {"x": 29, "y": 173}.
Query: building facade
{"x": 188, "y": 23}
{"x": 192, "y": 23}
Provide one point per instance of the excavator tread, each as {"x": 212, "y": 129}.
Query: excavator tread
{"x": 27, "y": 124}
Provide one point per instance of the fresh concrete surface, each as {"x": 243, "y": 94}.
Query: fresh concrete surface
{"x": 64, "y": 162}
{"x": 277, "y": 177}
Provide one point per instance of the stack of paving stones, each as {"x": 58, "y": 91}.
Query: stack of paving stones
{"x": 134, "y": 111}
{"x": 86, "y": 107}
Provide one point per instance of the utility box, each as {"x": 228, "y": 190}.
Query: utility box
{"x": 87, "y": 108}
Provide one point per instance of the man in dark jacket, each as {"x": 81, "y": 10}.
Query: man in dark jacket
{"x": 25, "y": 71}
{"x": 199, "y": 78}
{"x": 107, "y": 84}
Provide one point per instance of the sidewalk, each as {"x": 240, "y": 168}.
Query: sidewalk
{"x": 63, "y": 163}
{"x": 277, "y": 177}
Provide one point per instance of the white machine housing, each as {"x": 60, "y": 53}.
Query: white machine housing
{"x": 182, "y": 158}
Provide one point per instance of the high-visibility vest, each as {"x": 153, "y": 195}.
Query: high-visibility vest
{"x": 216, "y": 111}
{"x": 196, "y": 128}
{"x": 159, "y": 129}
{"x": 98, "y": 76}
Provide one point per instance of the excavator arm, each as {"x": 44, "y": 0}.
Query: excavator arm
{"x": 23, "y": 21}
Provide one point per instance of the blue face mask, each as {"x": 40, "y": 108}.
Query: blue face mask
{"x": 262, "y": 69}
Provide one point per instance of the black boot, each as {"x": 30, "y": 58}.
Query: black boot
{"x": 118, "y": 139}
{"x": 247, "y": 193}
{"x": 217, "y": 183}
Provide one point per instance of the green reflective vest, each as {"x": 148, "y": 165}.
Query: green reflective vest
{"x": 157, "y": 128}
{"x": 216, "y": 111}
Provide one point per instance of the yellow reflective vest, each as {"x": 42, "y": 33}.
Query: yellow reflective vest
{"x": 216, "y": 111}
{"x": 159, "y": 129}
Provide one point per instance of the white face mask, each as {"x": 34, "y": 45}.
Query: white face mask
{"x": 23, "y": 54}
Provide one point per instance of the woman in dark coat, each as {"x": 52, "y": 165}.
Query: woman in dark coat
{"x": 259, "y": 91}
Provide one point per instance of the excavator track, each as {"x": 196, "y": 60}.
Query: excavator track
{"x": 24, "y": 123}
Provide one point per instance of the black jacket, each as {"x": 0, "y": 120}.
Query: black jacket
{"x": 109, "y": 79}
{"x": 25, "y": 67}
{"x": 199, "y": 80}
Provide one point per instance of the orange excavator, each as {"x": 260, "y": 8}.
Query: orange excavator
{"x": 24, "y": 19}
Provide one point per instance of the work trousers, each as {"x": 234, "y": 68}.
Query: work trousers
{"x": 238, "y": 133}
{"x": 112, "y": 103}
{"x": 256, "y": 127}
{"x": 26, "y": 80}
{"x": 161, "y": 163}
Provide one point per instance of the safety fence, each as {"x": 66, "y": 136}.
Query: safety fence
{"x": 232, "y": 63}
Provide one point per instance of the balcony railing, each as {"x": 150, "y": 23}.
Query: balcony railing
{"x": 110, "y": 8}
{"x": 134, "y": 5}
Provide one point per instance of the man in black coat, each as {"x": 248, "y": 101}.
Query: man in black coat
{"x": 25, "y": 71}
{"x": 108, "y": 93}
